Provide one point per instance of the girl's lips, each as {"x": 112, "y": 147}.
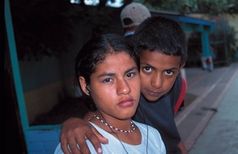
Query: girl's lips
{"x": 126, "y": 103}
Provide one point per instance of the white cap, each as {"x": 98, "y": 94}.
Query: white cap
{"x": 136, "y": 12}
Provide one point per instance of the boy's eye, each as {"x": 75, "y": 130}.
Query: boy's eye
{"x": 147, "y": 69}
{"x": 169, "y": 72}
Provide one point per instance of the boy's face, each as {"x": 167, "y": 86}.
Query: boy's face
{"x": 158, "y": 73}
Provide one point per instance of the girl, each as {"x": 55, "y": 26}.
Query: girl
{"x": 107, "y": 71}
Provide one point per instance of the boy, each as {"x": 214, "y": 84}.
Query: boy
{"x": 160, "y": 43}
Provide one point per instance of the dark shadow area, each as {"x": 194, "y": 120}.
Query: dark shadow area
{"x": 69, "y": 107}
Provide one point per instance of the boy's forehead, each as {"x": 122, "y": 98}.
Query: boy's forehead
{"x": 158, "y": 57}
{"x": 154, "y": 53}
{"x": 149, "y": 54}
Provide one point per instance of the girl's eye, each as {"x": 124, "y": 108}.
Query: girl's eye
{"x": 131, "y": 74}
{"x": 169, "y": 73}
{"x": 107, "y": 80}
{"x": 147, "y": 69}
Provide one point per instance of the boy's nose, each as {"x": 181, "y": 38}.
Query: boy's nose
{"x": 156, "y": 81}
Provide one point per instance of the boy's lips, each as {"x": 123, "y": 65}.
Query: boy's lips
{"x": 154, "y": 93}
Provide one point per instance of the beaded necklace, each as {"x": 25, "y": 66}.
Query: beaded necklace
{"x": 133, "y": 128}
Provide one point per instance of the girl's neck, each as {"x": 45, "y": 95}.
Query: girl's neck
{"x": 124, "y": 124}
{"x": 123, "y": 130}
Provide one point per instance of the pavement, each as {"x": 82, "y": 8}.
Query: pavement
{"x": 208, "y": 123}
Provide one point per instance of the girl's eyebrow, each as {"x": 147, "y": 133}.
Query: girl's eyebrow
{"x": 131, "y": 69}
{"x": 114, "y": 74}
{"x": 106, "y": 74}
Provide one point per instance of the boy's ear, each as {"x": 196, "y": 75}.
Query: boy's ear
{"x": 182, "y": 65}
{"x": 83, "y": 85}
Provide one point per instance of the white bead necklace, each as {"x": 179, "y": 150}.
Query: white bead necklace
{"x": 133, "y": 128}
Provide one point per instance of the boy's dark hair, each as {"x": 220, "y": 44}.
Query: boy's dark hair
{"x": 161, "y": 34}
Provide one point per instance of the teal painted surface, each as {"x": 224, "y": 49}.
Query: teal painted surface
{"x": 202, "y": 26}
{"x": 45, "y": 127}
{"x": 206, "y": 52}
{"x": 39, "y": 139}
{"x": 15, "y": 67}
{"x": 187, "y": 19}
{"x": 192, "y": 27}
{"x": 42, "y": 141}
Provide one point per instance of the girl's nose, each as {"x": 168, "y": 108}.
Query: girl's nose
{"x": 123, "y": 87}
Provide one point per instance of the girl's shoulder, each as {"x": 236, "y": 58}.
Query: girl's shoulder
{"x": 142, "y": 126}
{"x": 144, "y": 129}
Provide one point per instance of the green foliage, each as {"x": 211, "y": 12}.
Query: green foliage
{"x": 224, "y": 40}
{"x": 213, "y": 7}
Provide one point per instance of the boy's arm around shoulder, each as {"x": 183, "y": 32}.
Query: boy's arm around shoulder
{"x": 182, "y": 148}
{"x": 75, "y": 131}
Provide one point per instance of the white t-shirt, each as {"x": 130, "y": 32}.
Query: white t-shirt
{"x": 114, "y": 146}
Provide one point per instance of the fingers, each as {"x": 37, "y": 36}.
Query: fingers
{"x": 73, "y": 130}
{"x": 69, "y": 146}
{"x": 72, "y": 146}
{"x": 64, "y": 147}
{"x": 74, "y": 134}
{"x": 96, "y": 139}
{"x": 64, "y": 144}
{"x": 101, "y": 138}
{"x": 69, "y": 141}
{"x": 83, "y": 147}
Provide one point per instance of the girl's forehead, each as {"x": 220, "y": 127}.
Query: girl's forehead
{"x": 116, "y": 55}
{"x": 116, "y": 60}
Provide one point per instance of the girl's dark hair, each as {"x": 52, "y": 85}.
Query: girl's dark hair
{"x": 95, "y": 50}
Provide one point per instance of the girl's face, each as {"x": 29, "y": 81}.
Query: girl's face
{"x": 115, "y": 86}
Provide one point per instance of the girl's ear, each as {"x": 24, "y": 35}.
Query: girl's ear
{"x": 83, "y": 85}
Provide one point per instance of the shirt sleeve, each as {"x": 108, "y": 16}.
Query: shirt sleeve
{"x": 175, "y": 91}
{"x": 58, "y": 149}
{"x": 159, "y": 142}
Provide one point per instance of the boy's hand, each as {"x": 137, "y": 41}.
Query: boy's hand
{"x": 182, "y": 148}
{"x": 76, "y": 131}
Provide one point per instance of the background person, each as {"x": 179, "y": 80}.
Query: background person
{"x": 132, "y": 15}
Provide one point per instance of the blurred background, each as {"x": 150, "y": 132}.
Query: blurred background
{"x": 42, "y": 38}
